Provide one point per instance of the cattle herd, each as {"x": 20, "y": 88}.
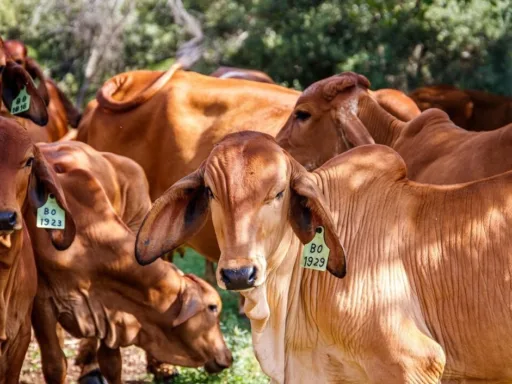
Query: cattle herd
{"x": 366, "y": 231}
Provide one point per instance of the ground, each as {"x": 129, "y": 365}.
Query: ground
{"x": 236, "y": 331}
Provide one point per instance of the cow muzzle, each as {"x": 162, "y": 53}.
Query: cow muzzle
{"x": 219, "y": 363}
{"x": 237, "y": 279}
{"x": 8, "y": 220}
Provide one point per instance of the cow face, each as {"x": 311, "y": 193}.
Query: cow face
{"x": 195, "y": 332}
{"x": 323, "y": 124}
{"x": 258, "y": 197}
{"x": 26, "y": 180}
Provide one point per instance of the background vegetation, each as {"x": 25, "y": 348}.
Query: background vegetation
{"x": 401, "y": 44}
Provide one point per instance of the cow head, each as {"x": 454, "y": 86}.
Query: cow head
{"x": 258, "y": 195}
{"x": 455, "y": 102}
{"x": 323, "y": 123}
{"x": 18, "y": 52}
{"x": 27, "y": 182}
{"x": 13, "y": 78}
{"x": 197, "y": 328}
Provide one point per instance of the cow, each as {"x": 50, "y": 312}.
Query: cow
{"x": 239, "y": 73}
{"x": 469, "y": 109}
{"x": 181, "y": 115}
{"x": 418, "y": 284}
{"x": 13, "y": 79}
{"x": 61, "y": 110}
{"x": 27, "y": 181}
{"x": 337, "y": 113}
{"x": 96, "y": 289}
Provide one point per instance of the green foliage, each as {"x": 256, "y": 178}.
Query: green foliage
{"x": 245, "y": 368}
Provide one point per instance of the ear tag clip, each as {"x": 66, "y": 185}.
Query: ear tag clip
{"x": 316, "y": 252}
{"x": 21, "y": 103}
{"x": 50, "y": 215}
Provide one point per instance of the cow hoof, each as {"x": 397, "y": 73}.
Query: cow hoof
{"x": 92, "y": 377}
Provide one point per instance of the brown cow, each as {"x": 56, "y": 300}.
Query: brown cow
{"x": 427, "y": 293}
{"x": 61, "y": 110}
{"x": 239, "y": 73}
{"x": 181, "y": 115}
{"x": 27, "y": 181}
{"x": 96, "y": 289}
{"x": 472, "y": 110}
{"x": 13, "y": 78}
{"x": 338, "y": 113}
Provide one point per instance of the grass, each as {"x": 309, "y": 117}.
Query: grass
{"x": 237, "y": 333}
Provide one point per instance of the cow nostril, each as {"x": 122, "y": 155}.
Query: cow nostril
{"x": 252, "y": 275}
{"x": 224, "y": 276}
{"x": 12, "y": 219}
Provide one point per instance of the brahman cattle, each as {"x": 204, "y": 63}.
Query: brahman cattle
{"x": 469, "y": 109}
{"x": 427, "y": 291}
{"x": 180, "y": 116}
{"x": 96, "y": 288}
{"x": 27, "y": 183}
{"x": 60, "y": 109}
{"x": 338, "y": 113}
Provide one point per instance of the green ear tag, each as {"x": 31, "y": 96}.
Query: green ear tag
{"x": 316, "y": 252}
{"x": 50, "y": 215}
{"x": 21, "y": 103}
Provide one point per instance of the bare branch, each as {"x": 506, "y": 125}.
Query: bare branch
{"x": 192, "y": 50}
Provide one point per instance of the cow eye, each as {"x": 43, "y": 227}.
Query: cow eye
{"x": 213, "y": 308}
{"x": 279, "y": 196}
{"x": 302, "y": 115}
{"x": 209, "y": 193}
{"x": 20, "y": 62}
{"x": 29, "y": 162}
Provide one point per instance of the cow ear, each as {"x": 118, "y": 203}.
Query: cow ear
{"x": 14, "y": 79}
{"x": 43, "y": 182}
{"x": 37, "y": 73}
{"x": 354, "y": 132}
{"x": 308, "y": 212}
{"x": 176, "y": 216}
{"x": 190, "y": 305}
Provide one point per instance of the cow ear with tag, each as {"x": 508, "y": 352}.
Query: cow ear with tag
{"x": 47, "y": 199}
{"x": 17, "y": 84}
{"x": 313, "y": 224}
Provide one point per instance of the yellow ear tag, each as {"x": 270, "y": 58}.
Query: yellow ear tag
{"x": 316, "y": 252}
{"x": 21, "y": 103}
{"x": 50, "y": 215}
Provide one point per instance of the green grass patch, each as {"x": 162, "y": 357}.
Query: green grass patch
{"x": 236, "y": 330}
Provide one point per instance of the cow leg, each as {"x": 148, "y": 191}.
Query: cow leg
{"x": 209, "y": 272}
{"x": 53, "y": 359}
{"x": 20, "y": 347}
{"x": 162, "y": 372}
{"x": 111, "y": 363}
{"x": 87, "y": 360}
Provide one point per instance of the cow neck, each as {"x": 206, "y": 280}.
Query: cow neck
{"x": 382, "y": 126}
{"x": 267, "y": 307}
{"x": 158, "y": 283}
{"x": 9, "y": 270}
